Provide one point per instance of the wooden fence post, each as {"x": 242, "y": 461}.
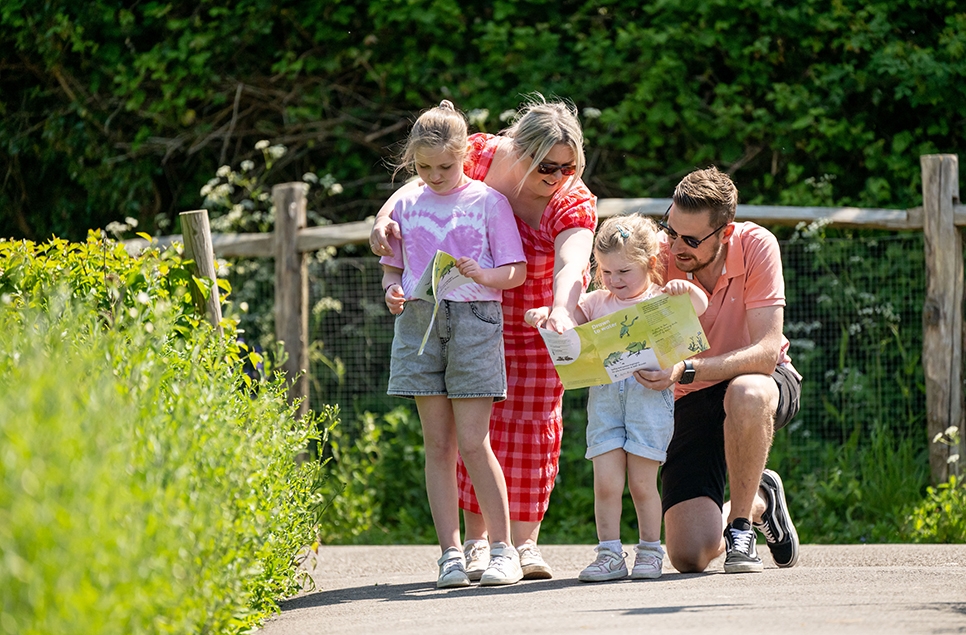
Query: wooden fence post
{"x": 942, "y": 313}
{"x": 198, "y": 247}
{"x": 292, "y": 289}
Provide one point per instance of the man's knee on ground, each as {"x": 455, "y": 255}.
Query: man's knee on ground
{"x": 750, "y": 395}
{"x": 690, "y": 558}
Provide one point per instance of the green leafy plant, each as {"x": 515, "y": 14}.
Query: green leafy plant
{"x": 941, "y": 516}
{"x": 144, "y": 486}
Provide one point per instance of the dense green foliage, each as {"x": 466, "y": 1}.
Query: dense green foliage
{"x": 109, "y": 110}
{"x": 146, "y": 484}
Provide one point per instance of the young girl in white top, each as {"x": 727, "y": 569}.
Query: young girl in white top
{"x": 629, "y": 426}
{"x": 462, "y": 369}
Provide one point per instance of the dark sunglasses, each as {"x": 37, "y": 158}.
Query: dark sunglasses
{"x": 550, "y": 168}
{"x": 690, "y": 241}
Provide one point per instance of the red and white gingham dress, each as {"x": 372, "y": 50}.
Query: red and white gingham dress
{"x": 525, "y": 429}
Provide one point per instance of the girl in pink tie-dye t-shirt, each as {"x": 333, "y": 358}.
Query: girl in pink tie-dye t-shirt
{"x": 455, "y": 378}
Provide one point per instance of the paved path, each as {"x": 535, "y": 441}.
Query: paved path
{"x": 879, "y": 589}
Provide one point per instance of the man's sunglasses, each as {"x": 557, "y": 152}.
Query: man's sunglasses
{"x": 550, "y": 168}
{"x": 690, "y": 241}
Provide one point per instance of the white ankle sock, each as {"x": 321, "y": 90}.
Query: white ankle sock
{"x": 653, "y": 546}
{"x": 613, "y": 545}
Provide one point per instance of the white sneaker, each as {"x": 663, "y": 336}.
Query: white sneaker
{"x": 504, "y": 566}
{"x": 609, "y": 565}
{"x": 477, "y": 556}
{"x": 533, "y": 565}
{"x": 452, "y": 571}
{"x": 648, "y": 563}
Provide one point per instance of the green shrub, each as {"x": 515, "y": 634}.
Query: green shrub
{"x": 378, "y": 490}
{"x": 941, "y": 516}
{"x": 144, "y": 487}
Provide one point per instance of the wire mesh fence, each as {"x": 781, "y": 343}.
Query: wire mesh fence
{"x": 853, "y": 318}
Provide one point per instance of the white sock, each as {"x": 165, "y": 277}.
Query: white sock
{"x": 471, "y": 543}
{"x": 613, "y": 545}
{"x": 652, "y": 546}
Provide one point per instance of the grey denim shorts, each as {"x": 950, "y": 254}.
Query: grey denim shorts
{"x": 463, "y": 357}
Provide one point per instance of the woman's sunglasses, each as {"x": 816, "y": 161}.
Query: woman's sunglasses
{"x": 550, "y": 168}
{"x": 690, "y": 241}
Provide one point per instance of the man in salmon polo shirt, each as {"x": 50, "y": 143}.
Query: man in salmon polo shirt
{"x": 730, "y": 399}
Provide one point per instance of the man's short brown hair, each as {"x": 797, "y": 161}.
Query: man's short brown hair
{"x": 708, "y": 190}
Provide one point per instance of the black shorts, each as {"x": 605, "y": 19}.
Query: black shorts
{"x": 695, "y": 463}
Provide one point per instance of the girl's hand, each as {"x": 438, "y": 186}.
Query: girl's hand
{"x": 470, "y": 268}
{"x": 395, "y": 298}
{"x": 382, "y": 229}
{"x": 537, "y": 317}
{"x": 677, "y": 287}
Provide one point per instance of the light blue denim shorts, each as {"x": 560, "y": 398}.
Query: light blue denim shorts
{"x": 627, "y": 415}
{"x": 463, "y": 357}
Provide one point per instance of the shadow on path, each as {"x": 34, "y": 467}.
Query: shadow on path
{"x": 428, "y": 591}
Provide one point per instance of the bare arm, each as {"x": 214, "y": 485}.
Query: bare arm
{"x": 538, "y": 317}
{"x": 571, "y": 254}
{"x": 384, "y": 225}
{"x": 505, "y": 277}
{"x": 759, "y": 357}
{"x": 392, "y": 283}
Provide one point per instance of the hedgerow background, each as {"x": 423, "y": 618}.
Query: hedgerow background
{"x": 110, "y": 110}
{"x": 147, "y": 484}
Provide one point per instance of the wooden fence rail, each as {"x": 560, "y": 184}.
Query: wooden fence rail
{"x": 939, "y": 219}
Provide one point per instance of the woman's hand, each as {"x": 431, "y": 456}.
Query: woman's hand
{"x": 560, "y": 320}
{"x": 382, "y": 229}
{"x": 537, "y": 317}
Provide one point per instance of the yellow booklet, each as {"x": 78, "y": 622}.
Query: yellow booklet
{"x": 656, "y": 333}
{"x": 439, "y": 278}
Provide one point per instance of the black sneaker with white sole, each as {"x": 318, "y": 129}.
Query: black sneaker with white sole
{"x": 741, "y": 555}
{"x": 776, "y": 525}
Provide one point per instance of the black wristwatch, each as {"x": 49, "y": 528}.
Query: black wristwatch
{"x": 688, "y": 375}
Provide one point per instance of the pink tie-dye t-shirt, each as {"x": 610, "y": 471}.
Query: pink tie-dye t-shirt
{"x": 472, "y": 220}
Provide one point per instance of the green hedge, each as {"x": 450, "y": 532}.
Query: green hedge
{"x": 127, "y": 111}
{"x": 146, "y": 484}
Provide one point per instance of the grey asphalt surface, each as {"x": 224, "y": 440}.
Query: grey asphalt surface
{"x": 833, "y": 589}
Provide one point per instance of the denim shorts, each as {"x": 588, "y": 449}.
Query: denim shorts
{"x": 627, "y": 415}
{"x": 463, "y": 357}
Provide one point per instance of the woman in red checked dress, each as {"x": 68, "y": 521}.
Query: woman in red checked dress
{"x": 536, "y": 164}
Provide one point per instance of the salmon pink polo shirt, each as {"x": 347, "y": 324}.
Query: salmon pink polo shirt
{"x": 751, "y": 279}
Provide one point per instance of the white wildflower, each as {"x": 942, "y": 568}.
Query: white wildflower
{"x": 507, "y": 115}
{"x": 247, "y": 165}
{"x": 223, "y": 171}
{"x": 277, "y": 151}
{"x": 310, "y": 177}
{"x": 478, "y": 116}
{"x": 261, "y": 145}
{"x": 591, "y": 113}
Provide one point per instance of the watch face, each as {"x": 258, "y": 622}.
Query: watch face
{"x": 688, "y": 375}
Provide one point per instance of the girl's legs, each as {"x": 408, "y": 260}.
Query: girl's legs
{"x": 472, "y": 419}
{"x": 440, "y": 442}
{"x": 609, "y": 470}
{"x": 642, "y": 481}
